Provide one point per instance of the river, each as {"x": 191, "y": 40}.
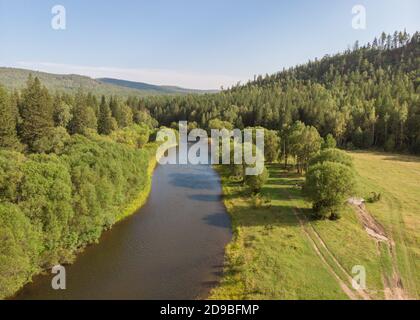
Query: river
{"x": 172, "y": 248}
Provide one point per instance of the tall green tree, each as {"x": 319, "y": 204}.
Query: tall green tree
{"x": 83, "y": 116}
{"x": 105, "y": 120}
{"x": 327, "y": 186}
{"x": 36, "y": 112}
{"x": 8, "y": 133}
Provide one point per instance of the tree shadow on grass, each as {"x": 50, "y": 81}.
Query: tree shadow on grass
{"x": 391, "y": 156}
{"x": 283, "y": 186}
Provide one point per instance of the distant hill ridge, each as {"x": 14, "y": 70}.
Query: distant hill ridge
{"x": 14, "y": 78}
{"x": 151, "y": 87}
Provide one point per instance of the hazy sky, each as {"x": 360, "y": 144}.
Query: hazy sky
{"x": 191, "y": 43}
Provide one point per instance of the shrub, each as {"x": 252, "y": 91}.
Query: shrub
{"x": 256, "y": 182}
{"x": 259, "y": 201}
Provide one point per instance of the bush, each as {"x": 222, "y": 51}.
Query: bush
{"x": 259, "y": 201}
{"x": 257, "y": 182}
{"x": 374, "y": 197}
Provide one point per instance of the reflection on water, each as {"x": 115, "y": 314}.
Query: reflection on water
{"x": 172, "y": 248}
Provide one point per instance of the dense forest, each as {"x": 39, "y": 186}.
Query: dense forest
{"x": 62, "y": 183}
{"x": 367, "y": 97}
{"x": 71, "y": 163}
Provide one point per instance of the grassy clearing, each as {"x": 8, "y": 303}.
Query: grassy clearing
{"x": 397, "y": 178}
{"x": 271, "y": 257}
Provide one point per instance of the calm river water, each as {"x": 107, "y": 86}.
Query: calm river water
{"x": 172, "y": 248}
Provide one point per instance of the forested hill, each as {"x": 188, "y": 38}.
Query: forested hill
{"x": 153, "y": 88}
{"x": 366, "y": 97}
{"x": 397, "y": 53}
{"x": 13, "y": 78}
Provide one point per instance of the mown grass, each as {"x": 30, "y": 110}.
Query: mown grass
{"x": 270, "y": 256}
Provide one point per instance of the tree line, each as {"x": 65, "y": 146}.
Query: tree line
{"x": 366, "y": 97}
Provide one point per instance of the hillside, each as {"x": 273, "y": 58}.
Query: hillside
{"x": 367, "y": 97}
{"x": 152, "y": 88}
{"x": 13, "y": 78}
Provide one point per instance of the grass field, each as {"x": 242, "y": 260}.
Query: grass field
{"x": 278, "y": 252}
{"x": 397, "y": 178}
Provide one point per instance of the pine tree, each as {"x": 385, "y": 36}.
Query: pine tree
{"x": 8, "y": 134}
{"x": 83, "y": 117}
{"x": 105, "y": 123}
{"x": 36, "y": 112}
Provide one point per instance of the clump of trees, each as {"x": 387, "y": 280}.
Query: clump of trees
{"x": 329, "y": 181}
{"x": 66, "y": 199}
{"x": 304, "y": 142}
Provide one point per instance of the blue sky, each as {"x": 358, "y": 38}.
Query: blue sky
{"x": 191, "y": 43}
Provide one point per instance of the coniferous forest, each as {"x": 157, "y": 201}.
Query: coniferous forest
{"x": 70, "y": 164}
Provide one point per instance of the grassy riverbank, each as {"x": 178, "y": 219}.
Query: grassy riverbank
{"x": 278, "y": 252}
{"x": 144, "y": 193}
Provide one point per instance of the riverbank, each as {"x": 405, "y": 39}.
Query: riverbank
{"x": 279, "y": 252}
{"x": 153, "y": 247}
{"x": 135, "y": 166}
{"x": 143, "y": 194}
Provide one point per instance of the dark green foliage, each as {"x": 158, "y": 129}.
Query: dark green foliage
{"x": 62, "y": 113}
{"x": 36, "y": 112}
{"x": 329, "y": 142}
{"x": 257, "y": 182}
{"x": 105, "y": 121}
{"x": 8, "y": 117}
{"x": 122, "y": 113}
{"x": 374, "y": 197}
{"x": 83, "y": 116}
{"x": 53, "y": 141}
